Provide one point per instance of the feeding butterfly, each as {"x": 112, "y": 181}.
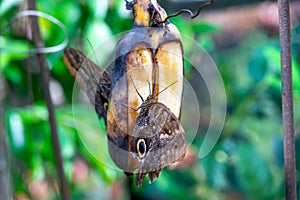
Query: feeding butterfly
{"x": 149, "y": 138}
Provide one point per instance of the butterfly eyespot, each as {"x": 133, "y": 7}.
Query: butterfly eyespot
{"x": 141, "y": 148}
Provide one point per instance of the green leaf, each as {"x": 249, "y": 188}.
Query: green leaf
{"x": 253, "y": 172}
{"x": 204, "y": 27}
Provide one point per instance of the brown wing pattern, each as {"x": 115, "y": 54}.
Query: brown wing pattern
{"x": 165, "y": 138}
{"x": 94, "y": 81}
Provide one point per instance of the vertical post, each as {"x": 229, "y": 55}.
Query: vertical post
{"x": 45, "y": 79}
{"x": 5, "y": 178}
{"x": 287, "y": 100}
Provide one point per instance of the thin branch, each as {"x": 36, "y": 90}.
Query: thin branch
{"x": 64, "y": 190}
{"x": 5, "y": 175}
{"x": 287, "y": 100}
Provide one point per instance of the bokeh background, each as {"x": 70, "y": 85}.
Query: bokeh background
{"x": 247, "y": 161}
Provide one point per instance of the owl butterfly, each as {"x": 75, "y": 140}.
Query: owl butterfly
{"x": 158, "y": 138}
{"x": 144, "y": 136}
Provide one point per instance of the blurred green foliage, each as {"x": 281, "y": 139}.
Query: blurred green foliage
{"x": 246, "y": 163}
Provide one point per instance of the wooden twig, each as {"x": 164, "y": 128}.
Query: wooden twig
{"x": 287, "y": 100}
{"x": 5, "y": 179}
{"x": 38, "y": 42}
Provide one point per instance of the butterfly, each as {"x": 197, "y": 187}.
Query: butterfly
{"x": 149, "y": 138}
{"x": 158, "y": 138}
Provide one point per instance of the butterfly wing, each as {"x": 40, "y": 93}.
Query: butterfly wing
{"x": 165, "y": 141}
{"x": 94, "y": 81}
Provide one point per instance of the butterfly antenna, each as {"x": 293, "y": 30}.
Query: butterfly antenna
{"x": 149, "y": 85}
{"x": 167, "y": 87}
{"x": 93, "y": 50}
{"x": 128, "y": 106}
{"x": 136, "y": 89}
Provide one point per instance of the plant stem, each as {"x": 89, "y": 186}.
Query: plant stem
{"x": 5, "y": 161}
{"x": 45, "y": 77}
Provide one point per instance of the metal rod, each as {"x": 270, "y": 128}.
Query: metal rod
{"x": 64, "y": 190}
{"x": 287, "y": 99}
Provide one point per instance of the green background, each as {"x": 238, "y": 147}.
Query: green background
{"x": 246, "y": 162}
